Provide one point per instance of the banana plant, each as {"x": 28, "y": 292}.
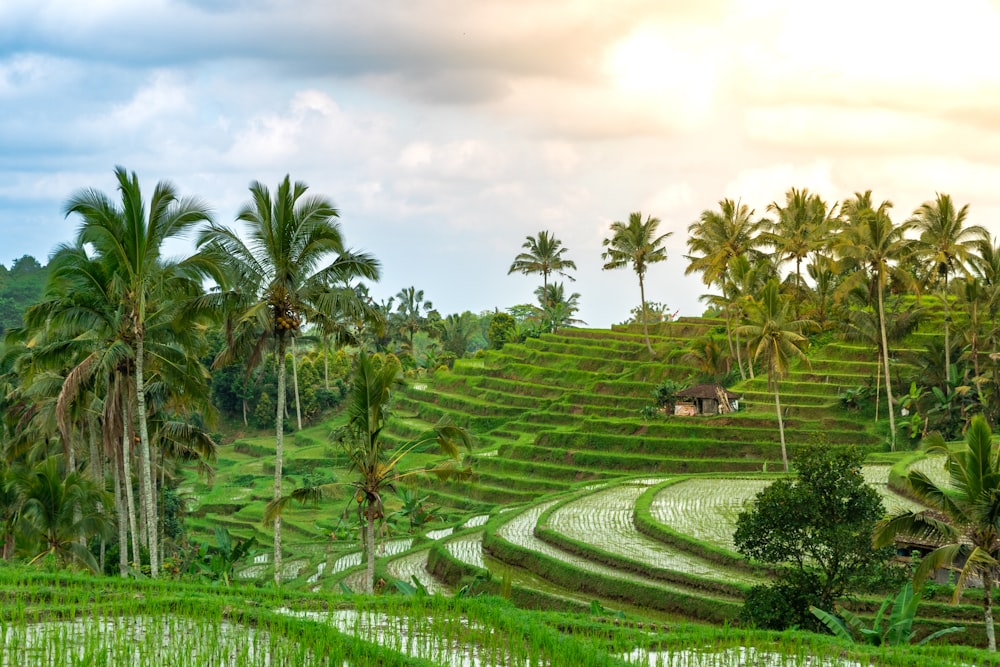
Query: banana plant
{"x": 894, "y": 630}
{"x": 224, "y": 557}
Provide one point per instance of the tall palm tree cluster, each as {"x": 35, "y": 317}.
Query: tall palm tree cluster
{"x": 106, "y": 391}
{"x": 855, "y": 271}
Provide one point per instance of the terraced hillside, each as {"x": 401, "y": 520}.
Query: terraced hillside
{"x": 565, "y": 408}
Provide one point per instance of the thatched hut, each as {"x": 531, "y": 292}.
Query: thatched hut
{"x": 705, "y": 399}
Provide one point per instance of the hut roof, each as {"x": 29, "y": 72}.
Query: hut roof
{"x": 707, "y": 390}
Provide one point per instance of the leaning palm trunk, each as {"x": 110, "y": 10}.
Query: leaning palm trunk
{"x": 888, "y": 380}
{"x": 278, "y": 443}
{"x": 781, "y": 425}
{"x": 739, "y": 356}
{"x": 145, "y": 460}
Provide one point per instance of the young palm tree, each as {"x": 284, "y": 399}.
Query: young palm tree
{"x": 636, "y": 243}
{"x": 875, "y": 245}
{"x": 962, "y": 518}
{"x": 130, "y": 239}
{"x": 377, "y": 469}
{"x": 947, "y": 245}
{"x": 556, "y": 309}
{"x": 272, "y": 281}
{"x": 776, "y": 337}
{"x": 64, "y": 509}
{"x": 543, "y": 254}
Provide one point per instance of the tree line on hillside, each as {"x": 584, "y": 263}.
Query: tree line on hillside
{"x": 107, "y": 385}
{"x": 20, "y": 286}
{"x": 808, "y": 268}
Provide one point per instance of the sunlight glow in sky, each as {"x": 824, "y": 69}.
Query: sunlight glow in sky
{"x": 448, "y": 131}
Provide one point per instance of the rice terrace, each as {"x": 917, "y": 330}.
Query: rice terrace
{"x": 239, "y": 458}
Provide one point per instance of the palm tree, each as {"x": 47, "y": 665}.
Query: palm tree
{"x": 716, "y": 240}
{"x": 79, "y": 333}
{"x": 874, "y": 244}
{"x": 556, "y": 309}
{"x": 947, "y": 245}
{"x": 64, "y": 509}
{"x": 271, "y": 282}
{"x": 962, "y": 519}
{"x": 131, "y": 239}
{"x": 543, "y": 254}
{"x": 801, "y": 227}
{"x": 635, "y": 243}
{"x": 456, "y": 332}
{"x": 411, "y": 319}
{"x": 776, "y": 338}
{"x": 377, "y": 469}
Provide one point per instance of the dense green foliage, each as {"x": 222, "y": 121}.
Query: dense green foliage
{"x": 819, "y": 525}
{"x": 20, "y": 286}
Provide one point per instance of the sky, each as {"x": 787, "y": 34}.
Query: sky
{"x": 448, "y": 131}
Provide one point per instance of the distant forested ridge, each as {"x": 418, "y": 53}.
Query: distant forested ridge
{"x": 20, "y": 286}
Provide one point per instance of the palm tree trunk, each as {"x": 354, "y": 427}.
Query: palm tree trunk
{"x": 781, "y": 422}
{"x": 878, "y": 392}
{"x": 739, "y": 358}
{"x": 798, "y": 286}
{"x": 733, "y": 350}
{"x": 885, "y": 357}
{"x": 370, "y": 548}
{"x": 127, "y": 484}
{"x": 947, "y": 331}
{"x": 645, "y": 326}
{"x": 122, "y": 526}
{"x": 988, "y": 609}
{"x": 326, "y": 362}
{"x": 278, "y": 443}
{"x": 295, "y": 381}
{"x": 145, "y": 460}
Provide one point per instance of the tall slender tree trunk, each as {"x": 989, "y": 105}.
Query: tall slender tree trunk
{"x": 798, "y": 286}
{"x": 734, "y": 351}
{"x": 161, "y": 528}
{"x": 295, "y": 381}
{"x": 326, "y": 362}
{"x": 781, "y": 422}
{"x": 739, "y": 358}
{"x": 645, "y": 325}
{"x": 278, "y": 443}
{"x": 370, "y": 548}
{"x": 988, "y": 608}
{"x": 122, "y": 525}
{"x": 127, "y": 484}
{"x": 143, "y": 526}
{"x": 947, "y": 331}
{"x": 145, "y": 459}
{"x": 885, "y": 357}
